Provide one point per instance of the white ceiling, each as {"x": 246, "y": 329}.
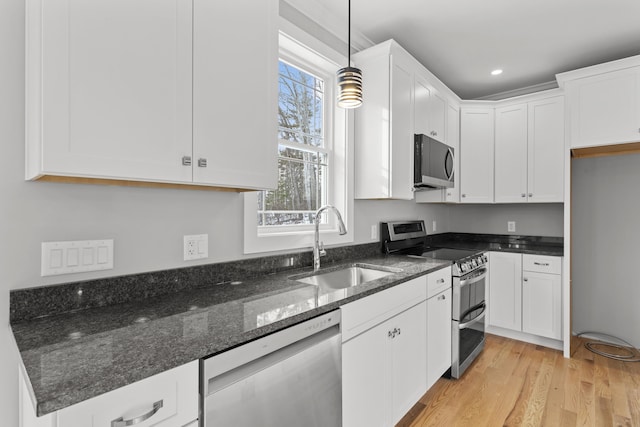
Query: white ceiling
{"x": 461, "y": 41}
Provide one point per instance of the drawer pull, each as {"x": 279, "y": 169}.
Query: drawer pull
{"x": 121, "y": 422}
{"x": 542, "y": 264}
{"x": 440, "y": 281}
{"x": 442, "y": 297}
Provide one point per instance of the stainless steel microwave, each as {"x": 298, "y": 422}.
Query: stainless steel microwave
{"x": 433, "y": 163}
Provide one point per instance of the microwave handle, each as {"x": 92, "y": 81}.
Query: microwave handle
{"x": 446, "y": 173}
{"x": 417, "y": 159}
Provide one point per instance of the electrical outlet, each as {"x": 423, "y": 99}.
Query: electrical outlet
{"x": 374, "y": 232}
{"x": 434, "y": 226}
{"x": 511, "y": 226}
{"x": 196, "y": 246}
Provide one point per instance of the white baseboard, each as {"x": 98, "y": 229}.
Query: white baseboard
{"x": 523, "y": 336}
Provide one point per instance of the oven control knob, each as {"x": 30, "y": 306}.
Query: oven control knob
{"x": 462, "y": 267}
{"x": 474, "y": 263}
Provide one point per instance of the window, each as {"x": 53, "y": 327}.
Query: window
{"x": 303, "y": 152}
{"x": 312, "y": 154}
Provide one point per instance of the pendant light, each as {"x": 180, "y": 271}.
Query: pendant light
{"x": 349, "y": 78}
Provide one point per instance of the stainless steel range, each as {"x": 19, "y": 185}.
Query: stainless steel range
{"x": 469, "y": 273}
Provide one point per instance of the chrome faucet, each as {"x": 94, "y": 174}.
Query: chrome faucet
{"x": 318, "y": 250}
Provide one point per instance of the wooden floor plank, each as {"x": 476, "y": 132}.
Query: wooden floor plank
{"x": 519, "y": 384}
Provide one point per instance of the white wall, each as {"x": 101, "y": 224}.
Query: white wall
{"x": 535, "y": 219}
{"x": 606, "y": 233}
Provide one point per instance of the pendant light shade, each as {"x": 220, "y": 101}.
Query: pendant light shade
{"x": 349, "y": 78}
{"x": 350, "y": 87}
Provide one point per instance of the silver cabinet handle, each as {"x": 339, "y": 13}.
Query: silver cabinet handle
{"x": 530, "y": 194}
{"x": 523, "y": 195}
{"x": 440, "y": 281}
{"x": 542, "y": 264}
{"x": 202, "y": 163}
{"x": 464, "y": 195}
{"x": 442, "y": 297}
{"x": 121, "y": 422}
{"x": 186, "y": 160}
{"x": 525, "y": 279}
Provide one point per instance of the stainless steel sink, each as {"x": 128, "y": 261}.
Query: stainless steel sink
{"x": 347, "y": 277}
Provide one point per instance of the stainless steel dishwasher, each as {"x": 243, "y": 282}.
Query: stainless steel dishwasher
{"x": 289, "y": 378}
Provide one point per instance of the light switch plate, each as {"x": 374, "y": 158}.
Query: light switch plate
{"x": 511, "y": 226}
{"x": 76, "y": 256}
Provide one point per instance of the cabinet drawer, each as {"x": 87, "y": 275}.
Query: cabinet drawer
{"x": 438, "y": 281}
{"x": 542, "y": 263}
{"x": 367, "y": 312}
{"x": 176, "y": 389}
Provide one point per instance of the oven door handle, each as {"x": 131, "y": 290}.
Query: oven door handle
{"x": 482, "y": 273}
{"x": 475, "y": 319}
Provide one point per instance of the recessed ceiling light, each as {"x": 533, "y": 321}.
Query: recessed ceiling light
{"x": 496, "y": 72}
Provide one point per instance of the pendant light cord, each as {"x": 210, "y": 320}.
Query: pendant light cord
{"x": 349, "y": 35}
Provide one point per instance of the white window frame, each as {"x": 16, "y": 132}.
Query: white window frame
{"x": 300, "y": 48}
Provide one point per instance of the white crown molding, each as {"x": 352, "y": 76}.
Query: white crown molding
{"x": 328, "y": 21}
{"x": 606, "y": 67}
{"x": 521, "y": 91}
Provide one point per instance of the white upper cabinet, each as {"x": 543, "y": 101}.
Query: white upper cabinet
{"x": 452, "y": 195}
{"x": 545, "y": 181}
{"x": 384, "y": 124}
{"x": 529, "y": 152}
{"x": 476, "y": 157}
{"x": 430, "y": 108}
{"x": 421, "y": 95}
{"x": 605, "y": 108}
{"x": 437, "y": 116}
{"x": 109, "y": 89}
{"x": 511, "y": 154}
{"x": 110, "y": 92}
{"x": 235, "y": 76}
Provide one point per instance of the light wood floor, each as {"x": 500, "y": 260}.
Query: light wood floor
{"x": 518, "y": 384}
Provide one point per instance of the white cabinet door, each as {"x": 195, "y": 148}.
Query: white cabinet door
{"x": 542, "y": 304}
{"x": 546, "y": 150}
{"x": 235, "y": 49}
{"x": 437, "y": 116}
{"x": 384, "y": 124}
{"x": 511, "y": 154}
{"x": 408, "y": 359}
{"x": 421, "y": 95}
{"x": 401, "y": 129}
{"x": 109, "y": 89}
{"x": 365, "y": 361}
{"x": 452, "y": 195}
{"x": 384, "y": 370}
{"x": 605, "y": 109}
{"x": 505, "y": 290}
{"x": 438, "y": 336}
{"x": 476, "y": 157}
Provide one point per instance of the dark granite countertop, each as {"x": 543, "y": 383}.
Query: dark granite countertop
{"x": 74, "y": 356}
{"x": 534, "y": 245}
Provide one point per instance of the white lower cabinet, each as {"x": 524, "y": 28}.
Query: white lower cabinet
{"x": 384, "y": 366}
{"x": 542, "y": 296}
{"x": 168, "y": 399}
{"x": 505, "y": 290}
{"x": 384, "y": 370}
{"x": 525, "y": 294}
{"x": 438, "y": 335}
